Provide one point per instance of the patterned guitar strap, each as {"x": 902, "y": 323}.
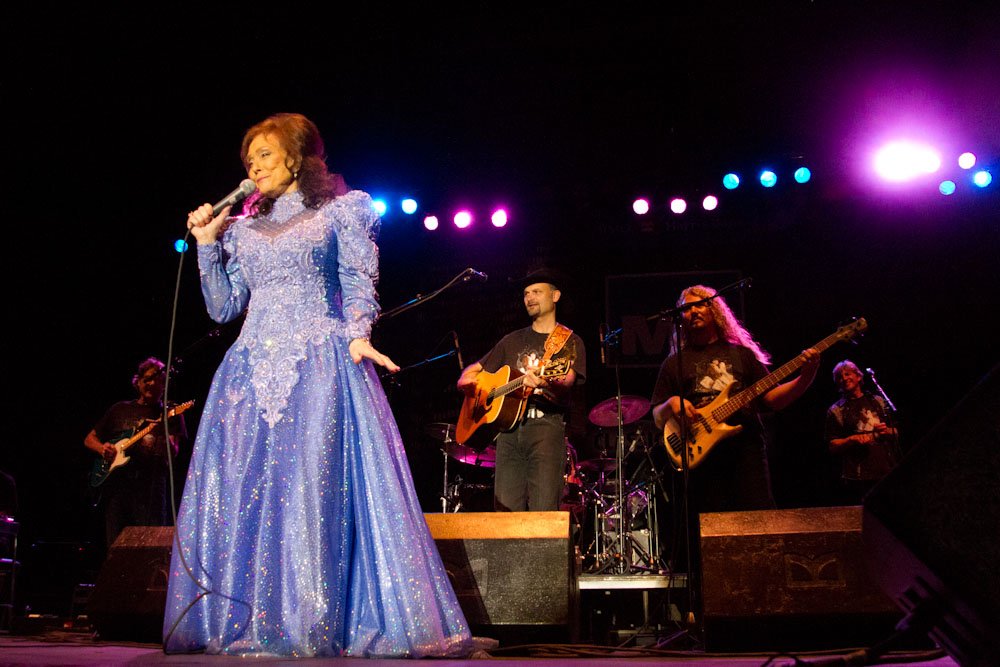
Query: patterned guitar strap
{"x": 555, "y": 342}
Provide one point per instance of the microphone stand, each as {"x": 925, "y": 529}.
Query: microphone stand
{"x": 676, "y": 315}
{"x": 881, "y": 391}
{"x": 609, "y": 340}
{"x": 393, "y": 378}
{"x": 464, "y": 277}
{"x": 890, "y": 414}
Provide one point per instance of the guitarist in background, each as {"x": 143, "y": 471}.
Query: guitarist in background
{"x": 137, "y": 493}
{"x": 530, "y": 460}
{"x": 859, "y": 430}
{"x": 716, "y": 351}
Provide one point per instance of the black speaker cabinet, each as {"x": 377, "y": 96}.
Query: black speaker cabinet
{"x": 932, "y": 528}
{"x": 513, "y": 572}
{"x": 789, "y": 580}
{"x": 130, "y": 593}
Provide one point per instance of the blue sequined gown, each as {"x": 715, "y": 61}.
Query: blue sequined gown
{"x": 299, "y": 516}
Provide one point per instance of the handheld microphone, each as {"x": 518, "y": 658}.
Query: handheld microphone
{"x": 458, "y": 350}
{"x": 246, "y": 188}
{"x": 478, "y": 275}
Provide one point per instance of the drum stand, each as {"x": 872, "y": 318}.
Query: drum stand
{"x": 616, "y": 547}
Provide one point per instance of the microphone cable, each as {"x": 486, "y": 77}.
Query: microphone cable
{"x": 205, "y": 590}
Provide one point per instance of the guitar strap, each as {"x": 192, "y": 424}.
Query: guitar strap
{"x": 555, "y": 342}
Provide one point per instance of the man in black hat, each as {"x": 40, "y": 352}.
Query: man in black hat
{"x": 530, "y": 459}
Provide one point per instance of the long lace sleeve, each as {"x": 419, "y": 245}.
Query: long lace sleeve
{"x": 358, "y": 263}
{"x": 226, "y": 293}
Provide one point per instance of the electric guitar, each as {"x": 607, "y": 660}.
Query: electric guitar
{"x": 499, "y": 402}
{"x": 103, "y": 468}
{"x": 708, "y": 428}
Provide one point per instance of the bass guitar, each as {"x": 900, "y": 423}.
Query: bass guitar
{"x": 498, "y": 402}
{"x": 708, "y": 428}
{"x": 103, "y": 468}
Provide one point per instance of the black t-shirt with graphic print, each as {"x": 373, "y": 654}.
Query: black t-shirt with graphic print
{"x": 523, "y": 349}
{"x": 851, "y": 416}
{"x": 734, "y": 474}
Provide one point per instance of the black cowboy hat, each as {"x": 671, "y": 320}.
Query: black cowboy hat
{"x": 554, "y": 277}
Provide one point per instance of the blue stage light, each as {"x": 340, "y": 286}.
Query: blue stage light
{"x": 409, "y": 206}
{"x": 380, "y": 206}
{"x": 947, "y": 188}
{"x": 802, "y": 175}
{"x": 180, "y": 245}
{"x": 768, "y": 178}
{"x": 731, "y": 181}
{"x": 982, "y": 178}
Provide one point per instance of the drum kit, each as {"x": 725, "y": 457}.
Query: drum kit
{"x": 622, "y": 494}
{"x": 458, "y": 494}
{"x": 613, "y": 500}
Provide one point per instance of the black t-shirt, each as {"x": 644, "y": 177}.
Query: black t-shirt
{"x": 523, "y": 349}
{"x": 123, "y": 418}
{"x": 851, "y": 416}
{"x": 734, "y": 474}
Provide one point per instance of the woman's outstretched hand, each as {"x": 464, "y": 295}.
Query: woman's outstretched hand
{"x": 360, "y": 349}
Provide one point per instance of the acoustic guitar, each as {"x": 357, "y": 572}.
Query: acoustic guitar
{"x": 499, "y": 401}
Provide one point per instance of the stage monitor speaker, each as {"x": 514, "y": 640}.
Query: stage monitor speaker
{"x": 513, "y": 572}
{"x": 130, "y": 593}
{"x": 932, "y": 528}
{"x": 789, "y": 580}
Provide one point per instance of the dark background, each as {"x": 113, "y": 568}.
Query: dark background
{"x": 121, "y": 121}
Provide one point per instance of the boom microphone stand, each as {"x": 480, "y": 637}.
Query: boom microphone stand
{"x": 676, "y": 316}
{"x": 890, "y": 413}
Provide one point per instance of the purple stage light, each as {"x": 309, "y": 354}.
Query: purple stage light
{"x": 901, "y": 161}
{"x": 640, "y": 206}
{"x": 967, "y": 160}
{"x": 499, "y": 218}
{"x": 678, "y": 205}
{"x": 463, "y": 219}
{"x": 431, "y": 222}
{"x": 710, "y": 203}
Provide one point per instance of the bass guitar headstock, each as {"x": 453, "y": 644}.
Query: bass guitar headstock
{"x": 853, "y": 330}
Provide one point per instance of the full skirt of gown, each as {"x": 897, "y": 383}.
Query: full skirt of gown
{"x": 306, "y": 537}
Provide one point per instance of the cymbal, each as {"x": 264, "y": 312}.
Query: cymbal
{"x": 441, "y": 431}
{"x": 605, "y": 413}
{"x": 598, "y": 465}
{"x": 484, "y": 459}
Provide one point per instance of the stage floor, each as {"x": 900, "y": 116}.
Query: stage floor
{"x": 76, "y": 648}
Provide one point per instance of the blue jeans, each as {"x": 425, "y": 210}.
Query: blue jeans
{"x": 530, "y": 465}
